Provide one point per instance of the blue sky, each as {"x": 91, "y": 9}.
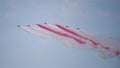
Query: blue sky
{"x": 21, "y": 50}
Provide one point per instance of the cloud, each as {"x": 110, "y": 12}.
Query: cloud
{"x": 9, "y": 10}
{"x": 90, "y": 10}
{"x": 69, "y": 7}
{"x": 74, "y": 7}
{"x": 10, "y": 15}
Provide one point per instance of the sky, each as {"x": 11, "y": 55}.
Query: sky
{"x": 21, "y": 50}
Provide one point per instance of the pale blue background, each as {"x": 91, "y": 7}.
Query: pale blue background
{"x": 21, "y": 50}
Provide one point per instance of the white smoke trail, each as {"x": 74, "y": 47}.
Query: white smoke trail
{"x": 70, "y": 40}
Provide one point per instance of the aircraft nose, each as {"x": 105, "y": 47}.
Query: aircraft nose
{"x": 28, "y": 25}
{"x": 18, "y": 26}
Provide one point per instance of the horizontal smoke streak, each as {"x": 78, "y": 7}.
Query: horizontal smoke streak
{"x": 75, "y": 38}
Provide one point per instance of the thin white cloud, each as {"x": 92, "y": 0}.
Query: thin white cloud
{"x": 74, "y": 7}
{"x": 10, "y": 15}
{"x": 70, "y": 7}
{"x": 89, "y": 10}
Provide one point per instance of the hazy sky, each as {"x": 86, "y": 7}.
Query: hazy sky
{"x": 21, "y": 50}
